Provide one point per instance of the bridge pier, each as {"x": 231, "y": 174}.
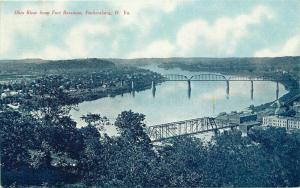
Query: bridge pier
{"x": 189, "y": 88}
{"x": 132, "y": 85}
{"x": 227, "y": 89}
{"x": 251, "y": 90}
{"x": 216, "y": 132}
{"x": 277, "y": 90}
{"x": 122, "y": 83}
{"x": 153, "y": 88}
{"x": 132, "y": 88}
{"x": 216, "y": 77}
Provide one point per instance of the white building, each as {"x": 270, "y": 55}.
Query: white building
{"x": 296, "y": 108}
{"x": 281, "y": 121}
{"x": 8, "y": 93}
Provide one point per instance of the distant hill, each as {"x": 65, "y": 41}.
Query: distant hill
{"x": 252, "y": 64}
{"x": 48, "y": 66}
{"x": 91, "y": 63}
{"x": 211, "y": 61}
{"x": 23, "y": 61}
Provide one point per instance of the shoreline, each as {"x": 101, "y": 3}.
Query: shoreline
{"x": 288, "y": 80}
{"x": 290, "y": 85}
{"x": 111, "y": 92}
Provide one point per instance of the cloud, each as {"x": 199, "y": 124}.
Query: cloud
{"x": 80, "y": 38}
{"x": 290, "y": 48}
{"x": 136, "y": 35}
{"x": 200, "y": 37}
{"x": 160, "y": 48}
{"x": 220, "y": 37}
{"x": 138, "y": 6}
{"x": 87, "y": 37}
{"x": 14, "y": 26}
{"x": 143, "y": 14}
{"x": 79, "y": 42}
{"x": 11, "y": 28}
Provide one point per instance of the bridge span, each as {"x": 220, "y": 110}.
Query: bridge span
{"x": 218, "y": 77}
{"x": 186, "y": 127}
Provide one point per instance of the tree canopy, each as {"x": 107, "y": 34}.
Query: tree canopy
{"x": 48, "y": 148}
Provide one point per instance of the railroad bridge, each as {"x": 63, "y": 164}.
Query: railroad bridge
{"x": 217, "y": 77}
{"x": 186, "y": 127}
{"x": 220, "y": 77}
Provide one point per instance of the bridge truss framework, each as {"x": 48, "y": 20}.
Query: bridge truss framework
{"x": 187, "y": 127}
{"x": 216, "y": 77}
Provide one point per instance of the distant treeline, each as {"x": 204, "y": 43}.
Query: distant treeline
{"x": 252, "y": 65}
{"x": 58, "y": 66}
{"x": 246, "y": 62}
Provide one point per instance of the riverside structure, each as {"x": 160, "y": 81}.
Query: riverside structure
{"x": 282, "y": 121}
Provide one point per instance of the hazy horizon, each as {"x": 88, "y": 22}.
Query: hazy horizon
{"x": 146, "y": 58}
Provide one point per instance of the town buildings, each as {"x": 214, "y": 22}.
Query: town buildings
{"x": 282, "y": 121}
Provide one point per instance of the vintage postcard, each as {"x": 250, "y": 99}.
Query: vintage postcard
{"x": 155, "y": 93}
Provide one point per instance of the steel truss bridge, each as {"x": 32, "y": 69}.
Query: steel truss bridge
{"x": 216, "y": 77}
{"x": 187, "y": 127}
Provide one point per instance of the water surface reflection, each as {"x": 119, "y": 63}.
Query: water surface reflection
{"x": 175, "y": 101}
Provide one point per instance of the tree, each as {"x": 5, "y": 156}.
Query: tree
{"x": 95, "y": 120}
{"x": 47, "y": 141}
{"x": 126, "y": 160}
{"x": 283, "y": 149}
{"x": 182, "y": 161}
{"x": 16, "y": 138}
{"x": 234, "y": 160}
{"x": 130, "y": 126}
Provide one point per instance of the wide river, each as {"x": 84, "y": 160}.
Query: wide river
{"x": 172, "y": 102}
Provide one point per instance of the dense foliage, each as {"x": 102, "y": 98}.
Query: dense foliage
{"x": 41, "y": 145}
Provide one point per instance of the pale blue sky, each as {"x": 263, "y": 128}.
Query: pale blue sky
{"x": 155, "y": 28}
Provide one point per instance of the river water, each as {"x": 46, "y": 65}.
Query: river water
{"x": 172, "y": 102}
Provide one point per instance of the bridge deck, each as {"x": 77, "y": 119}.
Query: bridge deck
{"x": 207, "y": 80}
{"x": 295, "y": 98}
{"x": 187, "y": 127}
{"x": 219, "y": 77}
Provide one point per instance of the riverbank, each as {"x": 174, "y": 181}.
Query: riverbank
{"x": 98, "y": 93}
{"x": 288, "y": 81}
{"x": 84, "y": 80}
